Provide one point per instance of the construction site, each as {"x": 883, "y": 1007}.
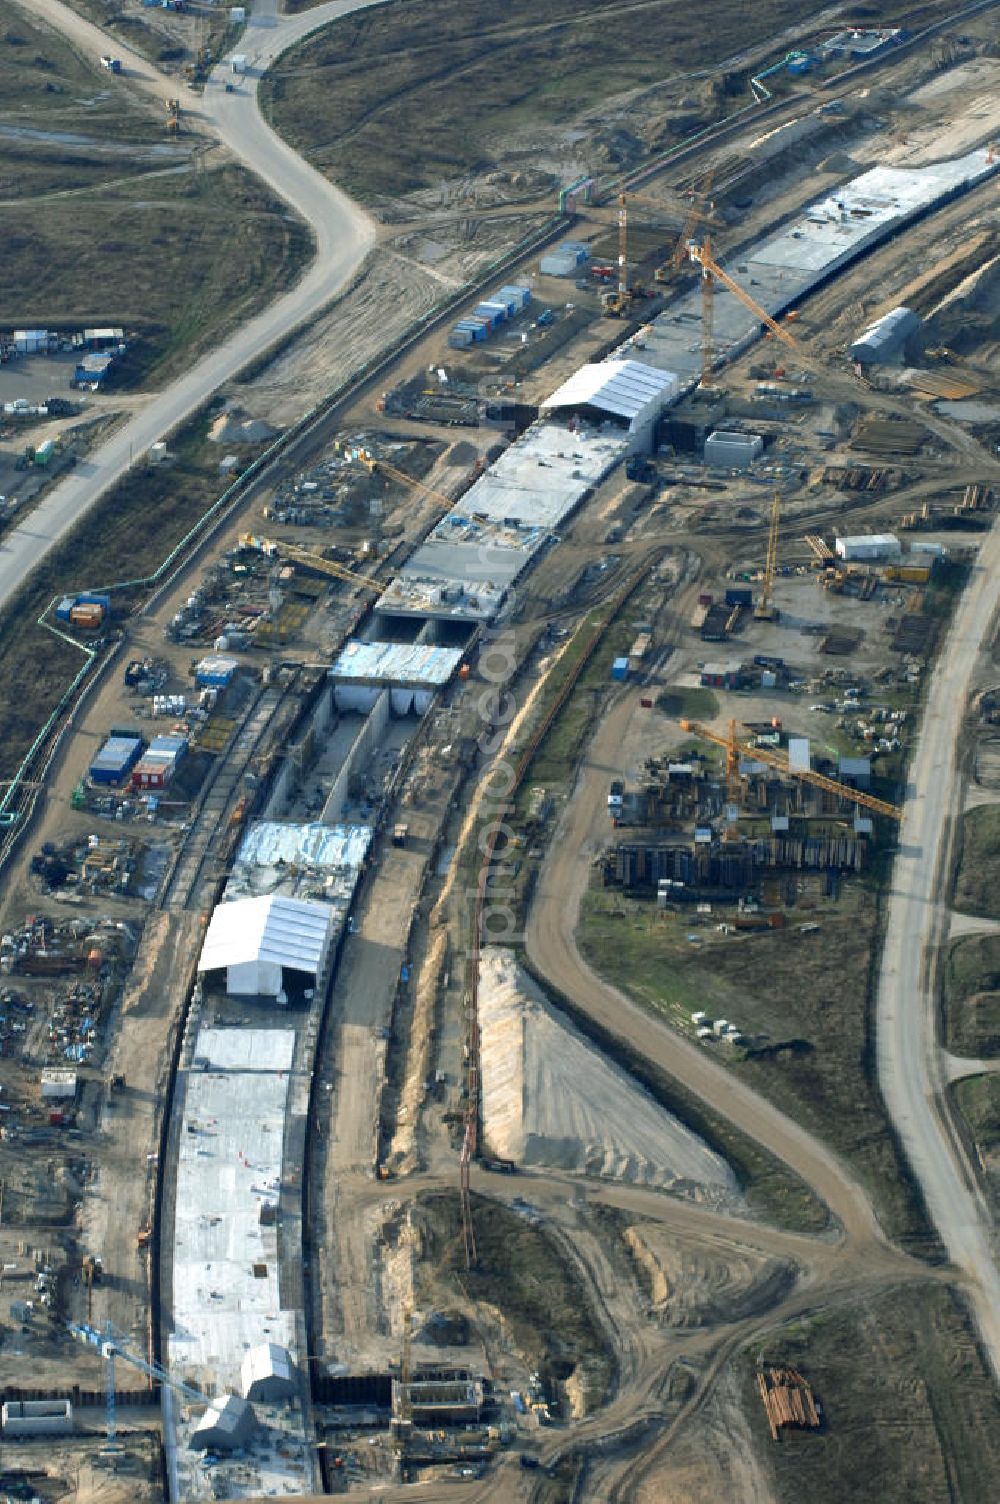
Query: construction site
{"x": 448, "y": 936}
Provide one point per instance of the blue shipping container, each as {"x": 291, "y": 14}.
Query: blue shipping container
{"x": 168, "y": 746}
{"x": 89, "y": 598}
{"x": 116, "y": 759}
{"x": 518, "y": 295}
{"x": 214, "y": 672}
{"x": 619, "y": 669}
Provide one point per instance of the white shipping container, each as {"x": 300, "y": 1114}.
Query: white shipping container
{"x": 58, "y": 1085}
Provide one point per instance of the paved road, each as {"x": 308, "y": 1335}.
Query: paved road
{"x": 343, "y": 235}
{"x": 911, "y": 1072}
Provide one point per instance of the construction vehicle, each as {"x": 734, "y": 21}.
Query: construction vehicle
{"x": 274, "y": 549}
{"x": 765, "y": 609}
{"x": 734, "y": 749}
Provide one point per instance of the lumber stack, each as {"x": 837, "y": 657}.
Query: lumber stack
{"x": 788, "y": 1400}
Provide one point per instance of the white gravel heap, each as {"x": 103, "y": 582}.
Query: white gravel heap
{"x": 549, "y": 1098}
{"x": 233, "y": 428}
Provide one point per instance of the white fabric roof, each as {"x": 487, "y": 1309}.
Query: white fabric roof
{"x": 624, "y": 388}
{"x": 268, "y": 1361}
{"x": 290, "y": 931}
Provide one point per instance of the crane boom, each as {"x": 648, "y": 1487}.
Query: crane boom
{"x": 711, "y": 268}
{"x": 734, "y": 747}
{"x": 112, "y": 1346}
{"x": 764, "y": 610}
{"x": 372, "y": 465}
{"x": 299, "y": 555}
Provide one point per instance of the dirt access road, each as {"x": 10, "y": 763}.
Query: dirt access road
{"x": 551, "y": 945}
{"x": 343, "y": 236}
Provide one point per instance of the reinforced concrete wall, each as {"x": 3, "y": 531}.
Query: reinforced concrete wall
{"x": 364, "y": 746}
{"x": 37, "y": 1418}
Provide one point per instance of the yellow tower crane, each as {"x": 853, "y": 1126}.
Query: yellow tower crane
{"x": 377, "y": 466}
{"x": 712, "y": 272}
{"x": 617, "y": 302}
{"x": 698, "y": 213}
{"x": 295, "y": 554}
{"x": 765, "y": 609}
{"x": 734, "y": 747}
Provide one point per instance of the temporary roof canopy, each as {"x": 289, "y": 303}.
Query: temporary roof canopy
{"x": 621, "y": 388}
{"x": 254, "y": 938}
{"x": 268, "y": 1373}
{"x": 228, "y": 1424}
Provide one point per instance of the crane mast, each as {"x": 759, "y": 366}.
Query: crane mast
{"x": 765, "y": 610}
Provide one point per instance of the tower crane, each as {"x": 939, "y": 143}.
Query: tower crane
{"x": 274, "y": 548}
{"x": 113, "y": 1346}
{"x": 615, "y": 303}
{"x": 374, "y": 466}
{"x": 765, "y": 609}
{"x": 712, "y": 272}
{"x": 697, "y": 214}
{"x": 734, "y": 747}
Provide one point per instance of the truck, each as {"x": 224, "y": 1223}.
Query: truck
{"x": 112, "y": 64}
{"x": 616, "y": 796}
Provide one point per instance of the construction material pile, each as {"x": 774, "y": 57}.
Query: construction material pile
{"x": 548, "y": 1098}
{"x": 788, "y": 1400}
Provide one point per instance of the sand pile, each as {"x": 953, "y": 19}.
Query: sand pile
{"x": 234, "y": 428}
{"x": 549, "y": 1098}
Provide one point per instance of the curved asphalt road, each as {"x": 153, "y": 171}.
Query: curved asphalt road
{"x": 343, "y": 235}
{"x": 910, "y": 1065}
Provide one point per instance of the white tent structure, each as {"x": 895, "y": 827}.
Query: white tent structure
{"x": 228, "y": 1424}
{"x": 254, "y": 939}
{"x": 268, "y": 1374}
{"x": 627, "y": 392}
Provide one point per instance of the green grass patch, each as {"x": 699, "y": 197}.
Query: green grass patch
{"x": 120, "y": 257}
{"x": 910, "y": 1410}
{"x": 802, "y": 999}
{"x": 971, "y": 997}
{"x": 395, "y": 99}
{"x": 978, "y": 1100}
{"x": 688, "y": 703}
{"x": 977, "y": 880}
{"x": 46, "y": 83}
